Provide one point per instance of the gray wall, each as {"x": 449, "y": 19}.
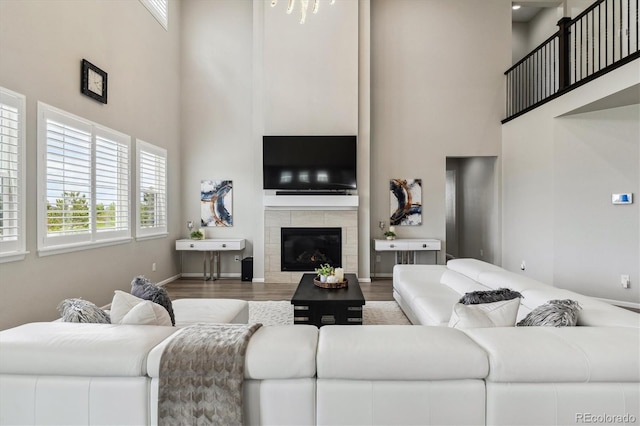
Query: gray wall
{"x": 42, "y": 44}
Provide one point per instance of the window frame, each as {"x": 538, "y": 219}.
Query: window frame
{"x": 49, "y": 244}
{"x": 154, "y": 9}
{"x": 17, "y": 250}
{"x": 144, "y": 233}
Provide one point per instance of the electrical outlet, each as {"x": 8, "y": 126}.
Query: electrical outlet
{"x": 378, "y": 258}
{"x": 237, "y": 258}
{"x": 624, "y": 280}
{"x": 153, "y": 267}
{"x": 481, "y": 252}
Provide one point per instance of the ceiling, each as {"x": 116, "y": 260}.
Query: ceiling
{"x": 524, "y": 14}
{"x": 530, "y": 8}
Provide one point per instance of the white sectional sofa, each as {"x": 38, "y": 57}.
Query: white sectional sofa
{"x": 64, "y": 373}
{"x": 427, "y": 293}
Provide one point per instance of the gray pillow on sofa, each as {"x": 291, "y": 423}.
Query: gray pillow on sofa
{"x": 79, "y": 310}
{"x": 555, "y": 313}
{"x": 144, "y": 289}
{"x": 490, "y": 296}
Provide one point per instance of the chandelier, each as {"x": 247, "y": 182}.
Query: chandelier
{"x": 304, "y": 6}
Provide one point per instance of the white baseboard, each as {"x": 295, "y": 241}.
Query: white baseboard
{"x": 168, "y": 280}
{"x": 620, "y": 303}
{"x": 199, "y": 275}
{"x": 364, "y": 280}
{"x": 258, "y": 280}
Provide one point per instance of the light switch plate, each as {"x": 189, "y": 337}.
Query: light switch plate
{"x": 624, "y": 198}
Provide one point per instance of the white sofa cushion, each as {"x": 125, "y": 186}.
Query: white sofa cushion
{"x": 594, "y": 312}
{"x": 495, "y": 314}
{"x": 510, "y": 280}
{"x": 555, "y": 355}
{"x": 396, "y": 352}
{"x": 282, "y": 352}
{"x": 471, "y": 268}
{"x": 274, "y": 352}
{"x": 129, "y": 309}
{"x": 432, "y": 303}
{"x": 63, "y": 348}
{"x": 460, "y": 283}
{"x": 223, "y": 311}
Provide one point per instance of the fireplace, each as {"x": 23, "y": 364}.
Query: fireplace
{"x": 304, "y": 249}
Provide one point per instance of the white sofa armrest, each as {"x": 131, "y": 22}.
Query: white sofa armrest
{"x": 75, "y": 349}
{"x": 560, "y": 354}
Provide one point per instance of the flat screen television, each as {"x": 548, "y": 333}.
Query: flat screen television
{"x": 309, "y": 163}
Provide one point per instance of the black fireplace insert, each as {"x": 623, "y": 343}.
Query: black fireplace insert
{"x": 304, "y": 249}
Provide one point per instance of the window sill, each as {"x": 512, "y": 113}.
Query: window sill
{"x": 69, "y": 248}
{"x": 13, "y": 256}
{"x": 152, "y": 237}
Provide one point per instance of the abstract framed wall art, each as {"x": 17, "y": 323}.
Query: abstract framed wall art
{"x": 405, "y": 201}
{"x": 216, "y": 203}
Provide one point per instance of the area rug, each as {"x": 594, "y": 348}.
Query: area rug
{"x": 281, "y": 313}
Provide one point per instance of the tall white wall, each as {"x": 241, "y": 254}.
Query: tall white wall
{"x": 437, "y": 91}
{"x": 41, "y": 46}
{"x": 559, "y": 171}
{"x": 216, "y": 116}
{"x": 310, "y": 71}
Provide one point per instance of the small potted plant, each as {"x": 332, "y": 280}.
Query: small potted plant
{"x": 324, "y": 271}
{"x": 390, "y": 234}
{"x": 197, "y": 235}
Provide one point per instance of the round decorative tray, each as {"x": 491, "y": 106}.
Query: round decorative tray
{"x": 320, "y": 284}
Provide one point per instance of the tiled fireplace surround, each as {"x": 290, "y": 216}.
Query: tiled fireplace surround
{"x": 274, "y": 220}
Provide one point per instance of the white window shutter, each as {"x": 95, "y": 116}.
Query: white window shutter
{"x": 151, "y": 191}
{"x": 112, "y": 184}
{"x": 159, "y": 9}
{"x": 84, "y": 186}
{"x": 12, "y": 178}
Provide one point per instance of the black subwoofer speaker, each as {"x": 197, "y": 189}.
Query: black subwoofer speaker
{"x": 247, "y": 269}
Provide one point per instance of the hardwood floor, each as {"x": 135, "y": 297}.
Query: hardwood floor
{"x": 235, "y": 289}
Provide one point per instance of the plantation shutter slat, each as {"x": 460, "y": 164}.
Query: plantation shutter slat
{"x": 152, "y": 189}
{"x": 12, "y": 119}
{"x": 85, "y": 181}
{"x": 112, "y": 184}
{"x": 68, "y": 178}
{"x": 159, "y": 9}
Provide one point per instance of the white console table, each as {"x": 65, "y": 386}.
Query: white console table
{"x": 406, "y": 248}
{"x": 209, "y": 247}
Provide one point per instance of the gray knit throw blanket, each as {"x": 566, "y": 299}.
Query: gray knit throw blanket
{"x": 201, "y": 375}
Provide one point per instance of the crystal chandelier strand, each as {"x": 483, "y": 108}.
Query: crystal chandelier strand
{"x": 304, "y": 7}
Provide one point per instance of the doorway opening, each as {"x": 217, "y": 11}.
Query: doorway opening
{"x": 472, "y": 208}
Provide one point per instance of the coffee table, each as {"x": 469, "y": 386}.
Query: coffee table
{"x": 322, "y": 306}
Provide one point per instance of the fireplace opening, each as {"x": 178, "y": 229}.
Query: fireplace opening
{"x": 304, "y": 249}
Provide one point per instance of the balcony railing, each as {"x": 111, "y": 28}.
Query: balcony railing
{"x": 600, "y": 39}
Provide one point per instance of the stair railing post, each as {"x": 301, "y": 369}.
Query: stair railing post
{"x": 564, "y": 53}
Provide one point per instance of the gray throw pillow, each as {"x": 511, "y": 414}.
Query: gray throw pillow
{"x": 78, "y": 310}
{"x": 490, "y": 296}
{"x": 144, "y": 289}
{"x": 554, "y": 313}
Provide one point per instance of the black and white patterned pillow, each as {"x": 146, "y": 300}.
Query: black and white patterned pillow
{"x": 490, "y": 296}
{"x": 79, "y": 310}
{"x": 554, "y": 313}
